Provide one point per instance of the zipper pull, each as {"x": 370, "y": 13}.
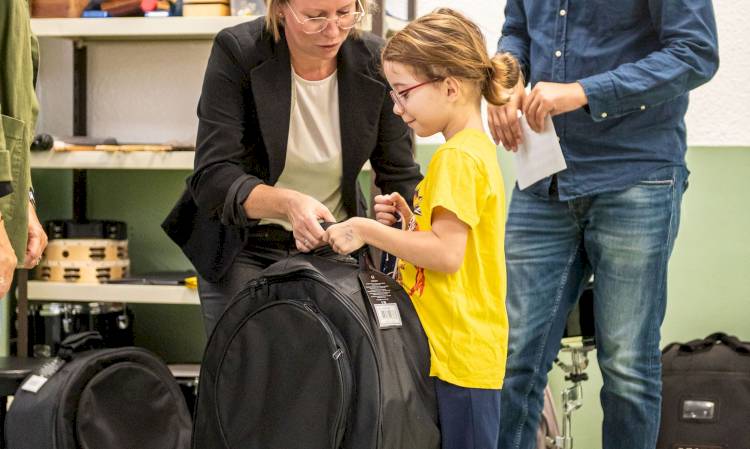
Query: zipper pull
{"x": 337, "y": 355}
{"x": 257, "y": 284}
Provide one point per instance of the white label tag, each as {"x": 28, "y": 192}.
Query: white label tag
{"x": 379, "y": 292}
{"x": 388, "y": 315}
{"x": 41, "y": 375}
{"x": 34, "y": 383}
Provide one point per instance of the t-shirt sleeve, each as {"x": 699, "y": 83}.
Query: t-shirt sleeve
{"x": 458, "y": 183}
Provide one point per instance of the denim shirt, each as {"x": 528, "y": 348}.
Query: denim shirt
{"x": 636, "y": 61}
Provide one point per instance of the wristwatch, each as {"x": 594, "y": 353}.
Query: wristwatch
{"x": 32, "y": 200}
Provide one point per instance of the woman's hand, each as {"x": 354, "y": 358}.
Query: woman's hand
{"x": 8, "y": 261}
{"x": 387, "y": 206}
{"x": 345, "y": 237}
{"x": 37, "y": 241}
{"x": 304, "y": 213}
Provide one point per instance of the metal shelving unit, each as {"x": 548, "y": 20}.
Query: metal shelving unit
{"x": 136, "y": 160}
{"x": 81, "y": 31}
{"x": 135, "y": 28}
{"x": 135, "y": 294}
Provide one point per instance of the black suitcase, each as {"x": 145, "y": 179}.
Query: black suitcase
{"x": 299, "y": 360}
{"x": 122, "y": 398}
{"x": 706, "y": 394}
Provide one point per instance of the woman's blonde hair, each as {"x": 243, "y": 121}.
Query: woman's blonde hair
{"x": 445, "y": 44}
{"x": 274, "y": 22}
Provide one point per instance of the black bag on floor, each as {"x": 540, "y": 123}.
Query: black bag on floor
{"x": 123, "y": 398}
{"x": 706, "y": 394}
{"x": 301, "y": 360}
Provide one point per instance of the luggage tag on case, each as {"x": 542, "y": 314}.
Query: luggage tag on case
{"x": 41, "y": 375}
{"x": 384, "y": 306}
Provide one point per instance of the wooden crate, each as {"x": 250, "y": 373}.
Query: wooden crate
{"x": 57, "y": 8}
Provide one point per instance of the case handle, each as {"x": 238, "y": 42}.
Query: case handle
{"x": 707, "y": 343}
{"x": 79, "y": 342}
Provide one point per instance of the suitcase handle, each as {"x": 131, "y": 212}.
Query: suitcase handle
{"x": 82, "y": 341}
{"x": 707, "y": 343}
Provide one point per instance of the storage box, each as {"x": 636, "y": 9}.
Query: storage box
{"x": 205, "y": 9}
{"x": 57, "y": 8}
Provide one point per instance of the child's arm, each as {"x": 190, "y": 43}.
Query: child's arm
{"x": 389, "y": 207}
{"x": 440, "y": 249}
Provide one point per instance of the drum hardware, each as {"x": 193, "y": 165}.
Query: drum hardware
{"x": 188, "y": 377}
{"x": 572, "y": 396}
{"x": 123, "y": 320}
{"x": 114, "y": 322}
{"x": 91, "y": 272}
{"x": 82, "y": 250}
{"x": 578, "y": 341}
{"x": 91, "y": 229}
{"x": 51, "y": 323}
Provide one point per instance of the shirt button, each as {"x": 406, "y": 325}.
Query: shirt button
{"x": 558, "y": 53}
{"x": 604, "y": 115}
{"x": 643, "y": 107}
{"x": 563, "y": 12}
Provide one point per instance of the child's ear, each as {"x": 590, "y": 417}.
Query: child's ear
{"x": 452, "y": 88}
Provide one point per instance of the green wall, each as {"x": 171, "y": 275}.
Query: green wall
{"x": 709, "y": 286}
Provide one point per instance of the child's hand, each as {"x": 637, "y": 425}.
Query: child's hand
{"x": 344, "y": 237}
{"x": 387, "y": 206}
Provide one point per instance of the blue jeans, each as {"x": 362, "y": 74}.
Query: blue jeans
{"x": 552, "y": 247}
{"x": 469, "y": 417}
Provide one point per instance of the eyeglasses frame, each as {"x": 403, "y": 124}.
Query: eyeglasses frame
{"x": 397, "y": 96}
{"x": 358, "y": 17}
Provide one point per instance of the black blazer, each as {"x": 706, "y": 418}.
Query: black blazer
{"x": 242, "y": 137}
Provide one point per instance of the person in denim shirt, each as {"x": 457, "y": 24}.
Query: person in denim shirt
{"x": 615, "y": 76}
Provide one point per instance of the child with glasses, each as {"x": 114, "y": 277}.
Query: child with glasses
{"x": 451, "y": 246}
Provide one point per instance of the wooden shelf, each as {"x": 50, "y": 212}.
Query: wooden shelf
{"x": 135, "y": 28}
{"x": 135, "y": 160}
{"x": 130, "y": 294}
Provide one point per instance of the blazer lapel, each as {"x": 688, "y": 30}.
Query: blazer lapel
{"x": 272, "y": 92}
{"x": 360, "y": 101}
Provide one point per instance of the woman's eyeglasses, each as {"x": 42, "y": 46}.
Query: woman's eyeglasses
{"x": 313, "y": 25}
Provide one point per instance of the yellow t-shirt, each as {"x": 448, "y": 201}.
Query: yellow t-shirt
{"x": 463, "y": 314}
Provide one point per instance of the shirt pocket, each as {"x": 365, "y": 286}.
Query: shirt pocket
{"x": 610, "y": 16}
{"x": 13, "y": 131}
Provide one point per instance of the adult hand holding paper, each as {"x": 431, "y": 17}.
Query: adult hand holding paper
{"x": 539, "y": 155}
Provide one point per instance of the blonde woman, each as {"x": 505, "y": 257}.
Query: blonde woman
{"x": 292, "y": 107}
{"x": 452, "y": 261}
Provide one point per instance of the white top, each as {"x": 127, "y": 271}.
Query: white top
{"x": 313, "y": 153}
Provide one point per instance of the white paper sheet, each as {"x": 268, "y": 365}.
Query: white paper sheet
{"x": 539, "y": 155}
